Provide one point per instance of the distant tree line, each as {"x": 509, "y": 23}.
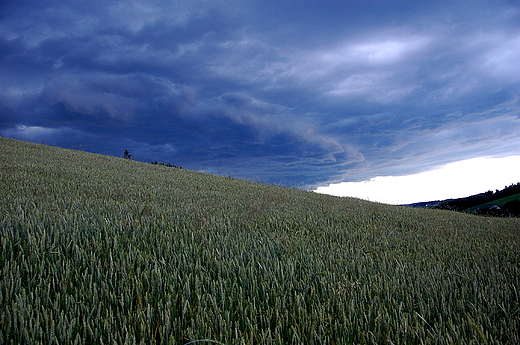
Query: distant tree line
{"x": 127, "y": 155}
{"x": 166, "y": 164}
{"x": 510, "y": 208}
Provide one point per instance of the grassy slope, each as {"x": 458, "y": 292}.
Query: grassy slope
{"x": 96, "y": 248}
{"x": 499, "y": 202}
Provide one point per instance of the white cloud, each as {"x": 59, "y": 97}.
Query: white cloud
{"x": 375, "y": 51}
{"x": 455, "y": 180}
{"x": 38, "y": 134}
{"x": 503, "y": 60}
{"x": 375, "y": 86}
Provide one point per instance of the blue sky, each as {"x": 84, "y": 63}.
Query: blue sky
{"x": 298, "y": 93}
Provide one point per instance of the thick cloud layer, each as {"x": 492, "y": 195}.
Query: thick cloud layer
{"x": 302, "y": 93}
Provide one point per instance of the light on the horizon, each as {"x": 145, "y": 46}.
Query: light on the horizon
{"x": 454, "y": 180}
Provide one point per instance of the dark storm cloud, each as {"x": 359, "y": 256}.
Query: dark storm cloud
{"x": 295, "y": 92}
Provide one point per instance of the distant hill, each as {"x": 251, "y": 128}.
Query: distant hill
{"x": 505, "y": 207}
{"x": 503, "y": 202}
{"x": 427, "y": 204}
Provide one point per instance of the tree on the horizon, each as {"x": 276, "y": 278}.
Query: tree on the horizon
{"x": 127, "y": 155}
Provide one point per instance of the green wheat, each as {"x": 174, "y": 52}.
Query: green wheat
{"x": 96, "y": 249}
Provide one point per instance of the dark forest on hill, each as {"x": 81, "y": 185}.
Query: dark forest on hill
{"x": 510, "y": 208}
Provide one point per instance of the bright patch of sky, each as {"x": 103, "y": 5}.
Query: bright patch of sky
{"x": 454, "y": 180}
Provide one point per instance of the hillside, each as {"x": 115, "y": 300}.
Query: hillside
{"x": 98, "y": 249}
{"x": 484, "y": 203}
{"x": 508, "y": 206}
{"x": 501, "y": 203}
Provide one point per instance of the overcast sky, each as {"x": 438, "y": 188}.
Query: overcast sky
{"x": 298, "y": 93}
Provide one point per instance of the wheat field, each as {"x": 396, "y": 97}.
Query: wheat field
{"x": 98, "y": 249}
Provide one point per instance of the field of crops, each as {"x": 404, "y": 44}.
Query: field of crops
{"x": 97, "y": 249}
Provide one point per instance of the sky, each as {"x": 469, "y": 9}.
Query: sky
{"x": 303, "y": 94}
{"x": 451, "y": 181}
